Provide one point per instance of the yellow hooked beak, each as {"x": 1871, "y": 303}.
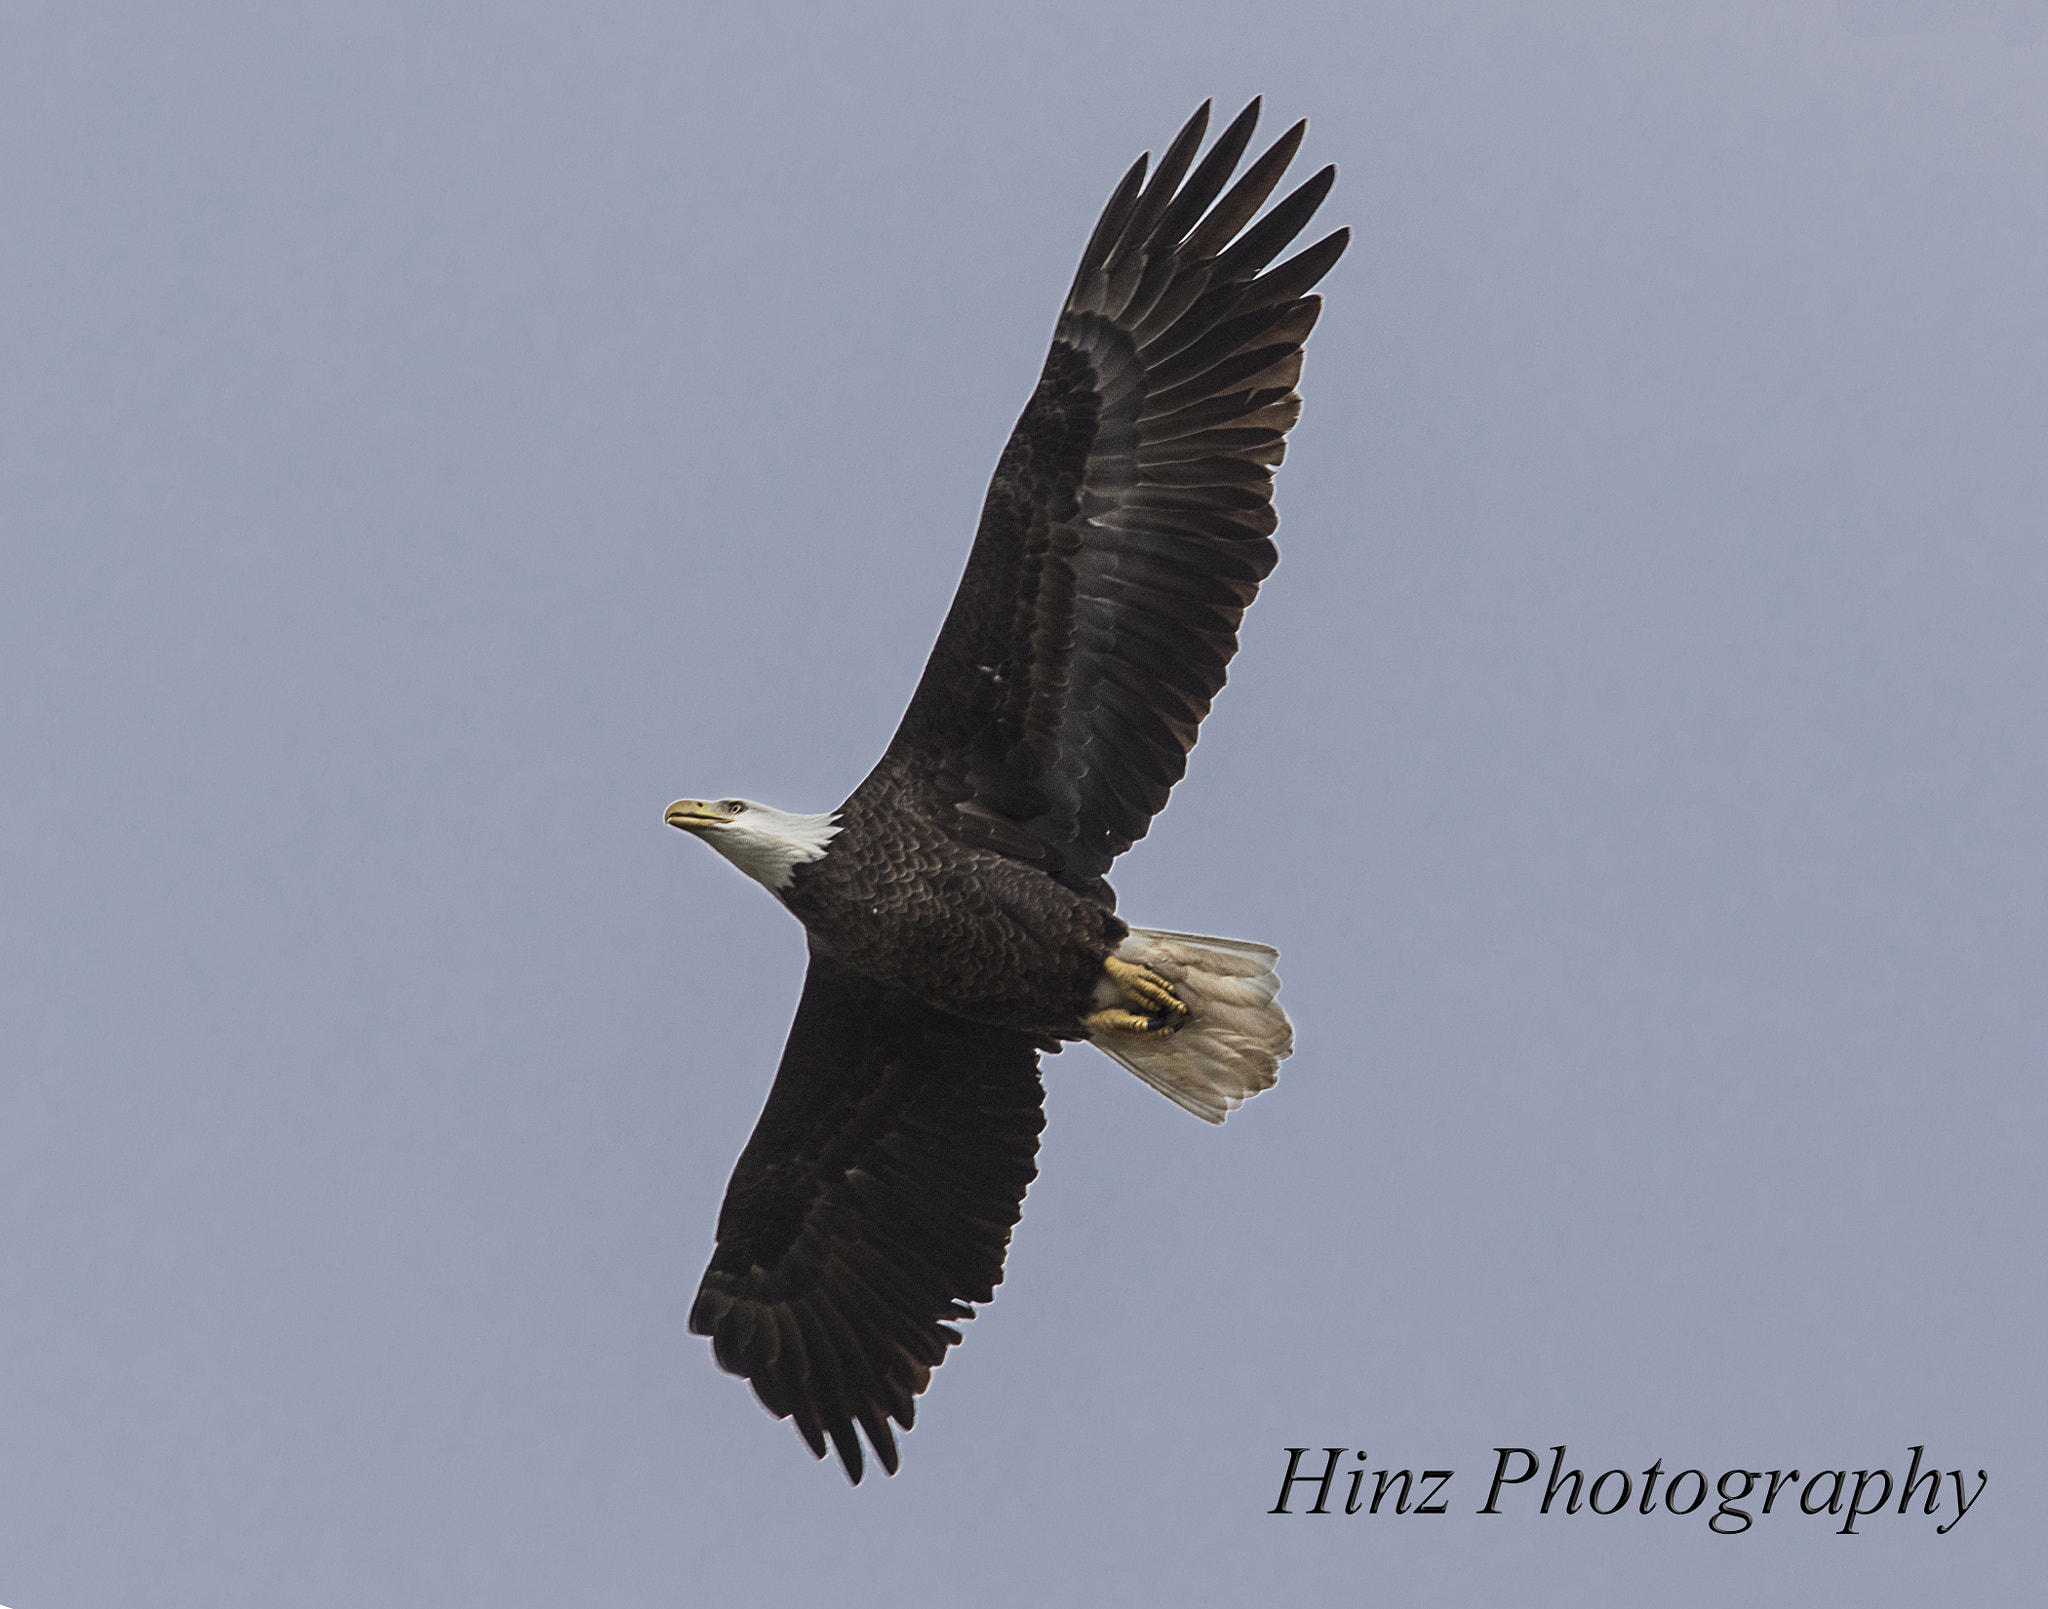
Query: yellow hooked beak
{"x": 694, "y": 815}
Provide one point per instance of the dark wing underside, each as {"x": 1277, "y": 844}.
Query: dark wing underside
{"x": 874, "y": 1201}
{"x": 1129, "y": 522}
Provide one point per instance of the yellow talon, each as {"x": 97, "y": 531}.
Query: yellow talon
{"x": 1163, "y": 1011}
{"x": 1116, "y": 1020}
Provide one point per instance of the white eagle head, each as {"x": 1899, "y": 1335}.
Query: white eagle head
{"x": 765, "y": 843}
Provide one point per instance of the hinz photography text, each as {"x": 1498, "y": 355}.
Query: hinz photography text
{"x": 1852, "y": 1495}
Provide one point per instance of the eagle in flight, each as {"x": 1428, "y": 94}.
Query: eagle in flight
{"x": 956, "y": 904}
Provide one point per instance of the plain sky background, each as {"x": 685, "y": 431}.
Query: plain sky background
{"x": 434, "y": 437}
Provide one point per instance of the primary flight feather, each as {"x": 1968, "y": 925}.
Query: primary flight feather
{"x": 958, "y": 916}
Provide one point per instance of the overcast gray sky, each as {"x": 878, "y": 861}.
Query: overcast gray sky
{"x": 433, "y": 437}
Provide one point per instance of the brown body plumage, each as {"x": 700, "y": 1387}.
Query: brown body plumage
{"x": 973, "y": 932}
{"x": 959, "y": 917}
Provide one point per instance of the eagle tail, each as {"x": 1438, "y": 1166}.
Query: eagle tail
{"x": 1235, "y": 1036}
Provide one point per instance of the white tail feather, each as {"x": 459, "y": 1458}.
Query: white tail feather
{"x": 1235, "y": 1037}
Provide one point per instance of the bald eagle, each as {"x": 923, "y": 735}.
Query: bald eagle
{"x": 958, "y": 918}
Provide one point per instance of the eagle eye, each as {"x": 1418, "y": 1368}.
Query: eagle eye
{"x": 734, "y": 806}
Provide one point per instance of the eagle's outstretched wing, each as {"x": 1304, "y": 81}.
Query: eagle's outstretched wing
{"x": 874, "y": 1201}
{"x": 1130, "y": 519}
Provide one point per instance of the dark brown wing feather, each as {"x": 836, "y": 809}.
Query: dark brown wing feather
{"x": 1129, "y": 522}
{"x": 874, "y": 1201}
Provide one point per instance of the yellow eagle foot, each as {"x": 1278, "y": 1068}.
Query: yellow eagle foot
{"x": 1161, "y": 1013}
{"x": 1116, "y": 1020}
